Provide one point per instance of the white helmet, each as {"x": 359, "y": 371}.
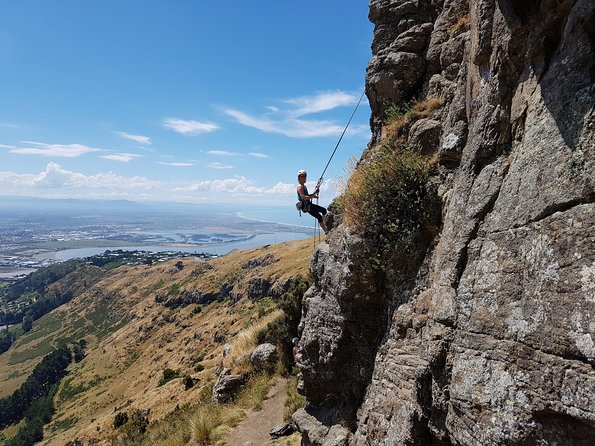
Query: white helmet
{"x": 302, "y": 172}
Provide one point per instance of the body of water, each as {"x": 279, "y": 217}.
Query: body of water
{"x": 210, "y": 248}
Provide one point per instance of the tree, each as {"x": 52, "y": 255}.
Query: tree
{"x": 27, "y": 323}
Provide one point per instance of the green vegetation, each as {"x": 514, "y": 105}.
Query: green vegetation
{"x": 131, "y": 427}
{"x": 33, "y": 402}
{"x": 62, "y": 425}
{"x": 294, "y": 400}
{"x": 168, "y": 375}
{"x": 281, "y": 331}
{"x": 6, "y": 340}
{"x": 188, "y": 382}
{"x": 120, "y": 419}
{"x": 38, "y": 281}
{"x": 387, "y": 198}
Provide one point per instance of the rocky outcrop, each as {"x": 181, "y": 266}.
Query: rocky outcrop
{"x": 484, "y": 334}
{"x": 227, "y": 386}
{"x": 264, "y": 357}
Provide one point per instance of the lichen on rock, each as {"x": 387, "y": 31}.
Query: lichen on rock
{"x": 480, "y": 330}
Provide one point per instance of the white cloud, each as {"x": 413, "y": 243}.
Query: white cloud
{"x": 238, "y": 185}
{"x": 223, "y": 153}
{"x": 5, "y": 146}
{"x": 145, "y": 140}
{"x": 258, "y": 155}
{"x": 122, "y": 157}
{"x": 9, "y": 125}
{"x": 295, "y": 128}
{"x": 190, "y": 127}
{"x": 218, "y": 165}
{"x": 176, "y": 164}
{"x": 55, "y": 150}
{"x": 322, "y": 101}
{"x": 290, "y": 122}
{"x": 73, "y": 184}
{"x": 58, "y": 182}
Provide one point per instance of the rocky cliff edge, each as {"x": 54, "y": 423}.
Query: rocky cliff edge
{"x": 479, "y": 329}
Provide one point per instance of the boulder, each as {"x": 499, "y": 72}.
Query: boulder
{"x": 425, "y": 134}
{"x": 227, "y": 386}
{"x": 264, "y": 357}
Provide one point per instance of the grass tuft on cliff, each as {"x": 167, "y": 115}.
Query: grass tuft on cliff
{"x": 386, "y": 197}
{"x": 399, "y": 117}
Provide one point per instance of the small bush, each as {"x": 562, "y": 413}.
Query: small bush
{"x": 120, "y": 419}
{"x": 197, "y": 309}
{"x": 188, "y": 382}
{"x": 199, "y": 367}
{"x": 387, "y": 198}
{"x": 168, "y": 375}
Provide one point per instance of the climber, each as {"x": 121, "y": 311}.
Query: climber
{"x": 305, "y": 201}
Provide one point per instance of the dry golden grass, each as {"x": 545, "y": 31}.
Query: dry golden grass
{"x": 292, "y": 440}
{"x": 245, "y": 341}
{"x": 461, "y": 24}
{"x": 402, "y": 119}
{"x": 123, "y": 366}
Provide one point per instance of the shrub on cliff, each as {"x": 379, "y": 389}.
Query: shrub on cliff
{"x": 387, "y": 198}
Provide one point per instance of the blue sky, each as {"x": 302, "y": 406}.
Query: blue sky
{"x": 194, "y": 101}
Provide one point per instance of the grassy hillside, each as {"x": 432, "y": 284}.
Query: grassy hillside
{"x": 132, "y": 337}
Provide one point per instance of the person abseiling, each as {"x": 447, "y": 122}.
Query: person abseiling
{"x": 318, "y": 212}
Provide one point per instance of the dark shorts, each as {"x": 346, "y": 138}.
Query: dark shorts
{"x": 317, "y": 211}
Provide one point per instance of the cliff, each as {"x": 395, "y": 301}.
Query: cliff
{"x": 467, "y": 318}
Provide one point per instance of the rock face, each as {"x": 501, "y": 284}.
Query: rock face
{"x": 485, "y": 334}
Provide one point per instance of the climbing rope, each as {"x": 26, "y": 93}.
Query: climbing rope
{"x": 319, "y": 183}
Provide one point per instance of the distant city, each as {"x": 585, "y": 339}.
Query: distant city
{"x": 35, "y": 233}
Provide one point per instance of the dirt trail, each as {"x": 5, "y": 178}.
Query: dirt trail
{"x": 254, "y": 430}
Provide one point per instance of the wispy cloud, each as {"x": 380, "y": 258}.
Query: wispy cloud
{"x": 145, "y": 140}
{"x": 122, "y": 157}
{"x": 289, "y": 120}
{"x": 189, "y": 127}
{"x": 218, "y": 165}
{"x": 6, "y": 146}
{"x": 295, "y": 128}
{"x": 55, "y": 150}
{"x": 176, "y": 164}
{"x": 9, "y": 125}
{"x": 323, "y": 101}
{"x": 258, "y": 155}
{"x": 223, "y": 153}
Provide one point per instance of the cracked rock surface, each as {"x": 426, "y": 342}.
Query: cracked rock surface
{"x": 486, "y": 335}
